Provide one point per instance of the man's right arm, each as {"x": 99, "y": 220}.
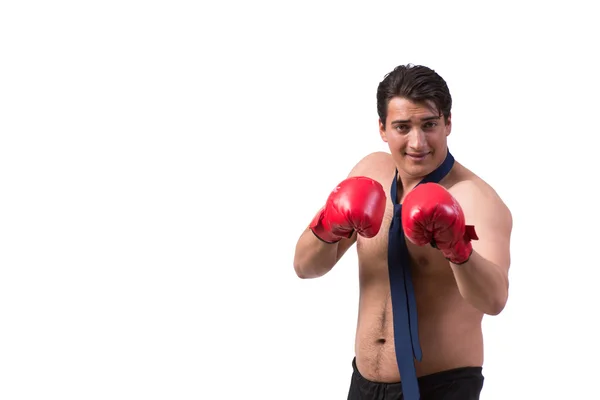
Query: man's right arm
{"x": 314, "y": 257}
{"x": 355, "y": 207}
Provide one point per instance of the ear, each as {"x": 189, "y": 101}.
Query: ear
{"x": 449, "y": 124}
{"x": 382, "y": 131}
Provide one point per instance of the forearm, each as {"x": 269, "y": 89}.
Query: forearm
{"x": 482, "y": 283}
{"x": 313, "y": 257}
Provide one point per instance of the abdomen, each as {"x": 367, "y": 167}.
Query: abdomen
{"x": 449, "y": 329}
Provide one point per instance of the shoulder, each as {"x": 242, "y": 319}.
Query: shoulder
{"x": 376, "y": 165}
{"x": 480, "y": 201}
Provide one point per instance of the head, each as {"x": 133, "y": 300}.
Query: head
{"x": 414, "y": 107}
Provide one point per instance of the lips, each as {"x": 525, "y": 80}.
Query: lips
{"x": 417, "y": 155}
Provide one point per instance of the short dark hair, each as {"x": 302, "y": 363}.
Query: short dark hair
{"x": 416, "y": 83}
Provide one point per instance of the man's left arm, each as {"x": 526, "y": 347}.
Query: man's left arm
{"x": 483, "y": 279}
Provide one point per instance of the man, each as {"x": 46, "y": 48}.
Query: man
{"x": 433, "y": 245}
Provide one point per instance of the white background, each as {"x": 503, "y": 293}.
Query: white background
{"x": 159, "y": 160}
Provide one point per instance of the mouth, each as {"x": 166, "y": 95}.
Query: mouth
{"x": 417, "y": 156}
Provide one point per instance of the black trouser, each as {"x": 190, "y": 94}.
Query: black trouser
{"x": 455, "y": 384}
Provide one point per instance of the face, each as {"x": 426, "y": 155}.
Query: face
{"x": 416, "y": 136}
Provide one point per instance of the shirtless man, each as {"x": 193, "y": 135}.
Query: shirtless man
{"x": 457, "y": 232}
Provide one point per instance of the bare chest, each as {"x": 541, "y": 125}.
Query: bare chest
{"x": 426, "y": 262}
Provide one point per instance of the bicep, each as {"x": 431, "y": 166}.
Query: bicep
{"x": 492, "y": 220}
{"x": 493, "y": 224}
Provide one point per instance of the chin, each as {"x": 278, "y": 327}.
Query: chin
{"x": 418, "y": 169}
{"x": 418, "y": 172}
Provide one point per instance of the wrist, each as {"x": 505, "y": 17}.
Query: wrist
{"x": 459, "y": 254}
{"x": 324, "y": 236}
{"x": 321, "y": 231}
{"x": 461, "y": 251}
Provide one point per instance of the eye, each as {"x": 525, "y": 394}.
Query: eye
{"x": 430, "y": 125}
{"x": 402, "y": 128}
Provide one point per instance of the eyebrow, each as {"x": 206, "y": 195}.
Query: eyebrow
{"x": 406, "y": 121}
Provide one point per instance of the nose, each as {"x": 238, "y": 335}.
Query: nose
{"x": 416, "y": 140}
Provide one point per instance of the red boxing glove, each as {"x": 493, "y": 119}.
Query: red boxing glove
{"x": 356, "y": 204}
{"x": 431, "y": 215}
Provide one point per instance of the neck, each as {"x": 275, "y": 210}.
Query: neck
{"x": 410, "y": 181}
{"x": 407, "y": 182}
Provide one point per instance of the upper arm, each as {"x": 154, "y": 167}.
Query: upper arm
{"x": 492, "y": 220}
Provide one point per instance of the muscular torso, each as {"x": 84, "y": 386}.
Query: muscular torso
{"x": 449, "y": 328}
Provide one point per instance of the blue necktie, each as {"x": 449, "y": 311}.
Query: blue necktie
{"x": 404, "y": 306}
